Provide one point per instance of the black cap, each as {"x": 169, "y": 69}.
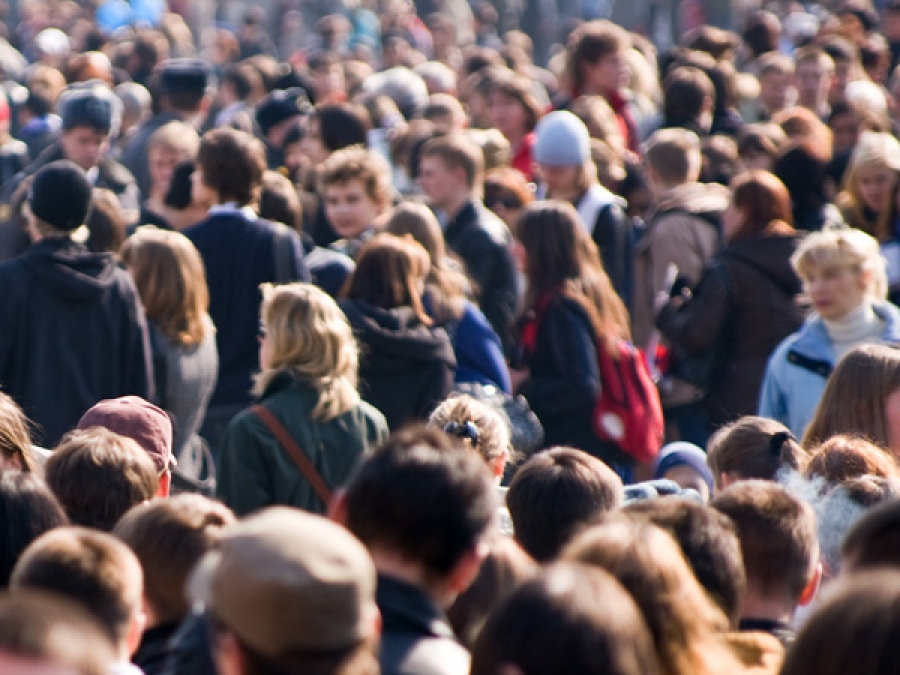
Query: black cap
{"x": 280, "y": 106}
{"x": 60, "y": 195}
{"x": 185, "y": 76}
{"x": 90, "y": 104}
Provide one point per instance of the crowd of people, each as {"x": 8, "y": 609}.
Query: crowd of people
{"x": 448, "y": 337}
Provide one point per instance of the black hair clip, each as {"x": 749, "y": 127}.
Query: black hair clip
{"x": 466, "y": 430}
{"x": 778, "y": 439}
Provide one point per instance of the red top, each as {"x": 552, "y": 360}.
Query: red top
{"x": 523, "y": 160}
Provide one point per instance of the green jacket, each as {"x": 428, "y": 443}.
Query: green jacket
{"x": 255, "y": 472}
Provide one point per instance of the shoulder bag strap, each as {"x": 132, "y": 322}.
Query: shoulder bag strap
{"x": 293, "y": 449}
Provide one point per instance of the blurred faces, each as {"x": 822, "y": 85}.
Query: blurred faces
{"x": 312, "y": 145}
{"x": 509, "y": 116}
{"x": 835, "y": 291}
{"x": 845, "y": 131}
{"x": 349, "y": 209}
{"x": 774, "y": 91}
{"x": 813, "y": 81}
{"x": 876, "y": 187}
{"x": 443, "y": 186}
{"x": 561, "y": 181}
{"x": 85, "y": 146}
{"x": 607, "y": 75}
{"x": 161, "y": 163}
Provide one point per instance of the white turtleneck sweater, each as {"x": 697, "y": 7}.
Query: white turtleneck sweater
{"x": 857, "y": 327}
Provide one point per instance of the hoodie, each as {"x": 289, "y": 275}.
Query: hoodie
{"x": 406, "y": 368}
{"x": 74, "y": 332}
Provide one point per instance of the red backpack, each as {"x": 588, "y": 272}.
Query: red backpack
{"x": 627, "y": 410}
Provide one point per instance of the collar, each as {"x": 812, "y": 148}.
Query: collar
{"x": 405, "y": 606}
{"x": 813, "y": 341}
{"x": 467, "y": 214}
{"x": 231, "y": 208}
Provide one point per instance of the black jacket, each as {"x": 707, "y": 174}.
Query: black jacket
{"x": 483, "y": 241}
{"x": 416, "y": 637}
{"x": 564, "y": 380}
{"x": 406, "y": 368}
{"x": 240, "y": 254}
{"x": 74, "y": 332}
{"x": 153, "y": 652}
{"x": 752, "y": 309}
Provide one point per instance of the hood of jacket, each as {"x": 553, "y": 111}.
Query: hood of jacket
{"x": 694, "y": 198}
{"x": 70, "y": 270}
{"x": 769, "y": 255}
{"x": 396, "y": 334}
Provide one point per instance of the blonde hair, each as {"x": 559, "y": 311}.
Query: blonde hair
{"x": 177, "y": 137}
{"x": 849, "y": 248}
{"x": 170, "y": 278}
{"x": 493, "y": 439}
{"x": 675, "y": 155}
{"x": 874, "y": 151}
{"x": 15, "y": 436}
{"x": 311, "y": 338}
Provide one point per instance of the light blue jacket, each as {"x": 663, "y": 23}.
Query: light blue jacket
{"x": 799, "y": 368}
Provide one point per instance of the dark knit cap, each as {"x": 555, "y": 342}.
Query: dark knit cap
{"x": 90, "y": 104}
{"x": 60, "y": 195}
{"x": 280, "y": 106}
{"x": 185, "y": 76}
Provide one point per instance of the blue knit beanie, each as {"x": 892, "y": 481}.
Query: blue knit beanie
{"x": 681, "y": 453}
{"x": 562, "y": 140}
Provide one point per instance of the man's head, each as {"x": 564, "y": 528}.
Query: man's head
{"x": 278, "y": 111}
{"x": 813, "y": 75}
{"x": 596, "y": 58}
{"x": 169, "y": 536}
{"x": 289, "y": 590}
{"x": 170, "y": 145}
{"x": 91, "y": 114}
{"x": 230, "y": 167}
{"x": 689, "y": 98}
{"x": 426, "y": 499}
{"x": 141, "y": 421}
{"x": 356, "y": 186}
{"x": 183, "y": 85}
{"x": 873, "y": 541}
{"x": 554, "y": 494}
{"x": 59, "y": 200}
{"x": 98, "y": 475}
{"x": 450, "y": 169}
{"x": 779, "y": 544}
{"x": 46, "y": 635}
{"x": 776, "y": 72}
{"x": 674, "y": 157}
{"x": 92, "y": 569}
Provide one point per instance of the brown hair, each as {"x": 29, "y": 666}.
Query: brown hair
{"x": 106, "y": 222}
{"x": 764, "y": 202}
{"x": 684, "y": 623}
{"x": 506, "y": 178}
{"x": 15, "y": 435}
{"x": 388, "y": 269}
{"x": 358, "y": 163}
{"x": 169, "y": 536}
{"x": 520, "y": 89}
{"x": 457, "y": 151}
{"x": 675, "y": 154}
{"x": 233, "y": 163}
{"x": 98, "y": 475}
{"x": 591, "y": 42}
{"x": 601, "y": 122}
{"x": 279, "y": 201}
{"x": 561, "y": 254}
{"x": 843, "y": 457}
{"x": 873, "y": 540}
{"x": 761, "y": 138}
{"x": 754, "y": 447}
{"x": 779, "y": 543}
{"x": 854, "y": 398}
{"x": 169, "y": 274}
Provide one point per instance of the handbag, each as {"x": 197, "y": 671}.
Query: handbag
{"x": 289, "y": 445}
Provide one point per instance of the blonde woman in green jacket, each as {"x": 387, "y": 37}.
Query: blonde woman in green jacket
{"x": 307, "y": 386}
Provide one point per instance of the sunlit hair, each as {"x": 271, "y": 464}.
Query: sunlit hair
{"x": 765, "y": 203}
{"x": 492, "y": 440}
{"x": 854, "y": 398}
{"x": 683, "y": 621}
{"x": 358, "y": 163}
{"x": 310, "y": 337}
{"x": 448, "y": 285}
{"x": 171, "y": 281}
{"x": 754, "y": 447}
{"x": 845, "y": 248}
{"x": 874, "y": 151}
{"x": 561, "y": 255}
{"x": 388, "y": 272}
{"x": 846, "y": 456}
{"x": 15, "y": 439}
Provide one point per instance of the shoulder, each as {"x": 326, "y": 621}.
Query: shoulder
{"x": 116, "y": 174}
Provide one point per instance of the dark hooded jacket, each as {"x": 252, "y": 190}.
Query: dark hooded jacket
{"x": 406, "y": 368}
{"x": 752, "y": 303}
{"x": 74, "y": 332}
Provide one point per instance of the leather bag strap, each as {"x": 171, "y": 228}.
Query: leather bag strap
{"x": 286, "y": 441}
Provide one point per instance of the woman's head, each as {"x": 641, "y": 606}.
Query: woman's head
{"x": 753, "y": 447}
{"x": 479, "y": 426}
{"x": 846, "y": 456}
{"x": 514, "y": 108}
{"x": 230, "y": 167}
{"x": 390, "y": 273}
{"x": 303, "y": 331}
{"x": 760, "y": 203}
{"x": 506, "y": 193}
{"x": 840, "y": 269}
{"x": 171, "y": 281}
{"x": 862, "y": 397}
{"x": 419, "y": 222}
{"x": 871, "y": 180}
{"x": 15, "y": 437}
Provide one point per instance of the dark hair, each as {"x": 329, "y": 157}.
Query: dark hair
{"x": 242, "y": 77}
{"x": 341, "y": 125}
{"x": 591, "y": 622}
{"x": 685, "y": 91}
{"x": 179, "y": 194}
{"x": 169, "y": 536}
{"x": 520, "y": 88}
{"x": 279, "y": 201}
{"x": 764, "y": 202}
{"x": 761, "y": 33}
{"x": 98, "y": 475}
{"x": 555, "y": 493}
{"x": 456, "y": 151}
{"x": 49, "y": 628}
{"x": 874, "y": 539}
{"x": 778, "y": 537}
{"x": 233, "y": 163}
{"x": 804, "y": 171}
{"x": 855, "y": 630}
{"x": 424, "y": 496}
{"x": 27, "y": 510}
{"x": 591, "y": 42}
{"x": 39, "y": 103}
{"x": 709, "y": 542}
{"x": 106, "y": 222}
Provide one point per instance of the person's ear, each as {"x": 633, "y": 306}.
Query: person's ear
{"x": 726, "y": 478}
{"x": 135, "y": 631}
{"x": 812, "y": 586}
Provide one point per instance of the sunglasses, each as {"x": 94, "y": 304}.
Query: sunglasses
{"x": 506, "y": 201}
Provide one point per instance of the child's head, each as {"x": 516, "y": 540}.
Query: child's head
{"x": 355, "y": 184}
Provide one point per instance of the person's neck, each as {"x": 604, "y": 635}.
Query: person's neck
{"x": 516, "y": 138}
{"x": 452, "y": 207}
{"x": 393, "y": 565}
{"x": 765, "y": 608}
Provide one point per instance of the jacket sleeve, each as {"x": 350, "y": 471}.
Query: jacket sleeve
{"x": 697, "y": 324}
{"x": 772, "y": 399}
{"x": 243, "y": 480}
{"x": 491, "y": 267}
{"x": 478, "y": 348}
{"x": 564, "y": 373}
{"x": 675, "y": 240}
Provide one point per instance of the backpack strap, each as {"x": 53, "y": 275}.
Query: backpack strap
{"x": 289, "y": 445}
